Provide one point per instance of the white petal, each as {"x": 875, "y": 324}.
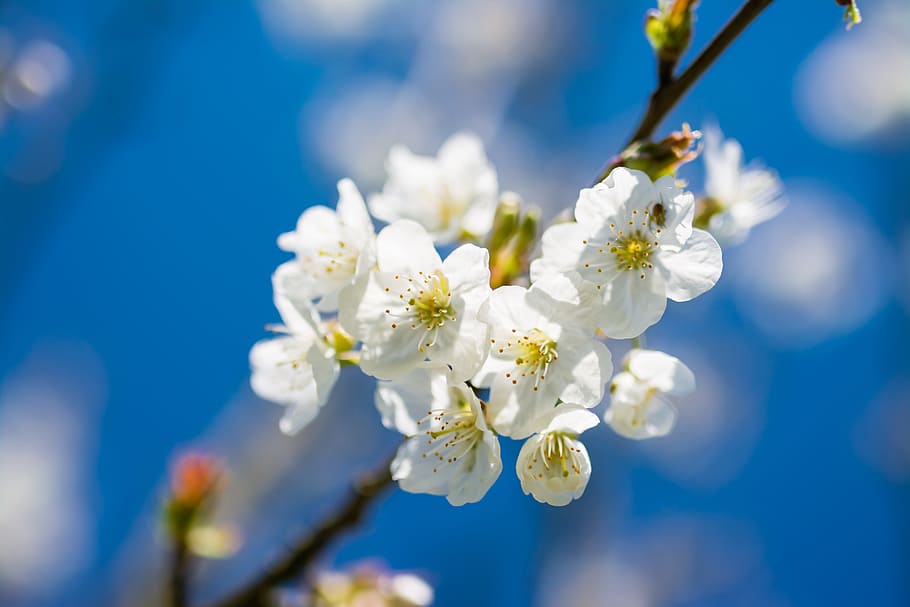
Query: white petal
{"x": 404, "y": 402}
{"x": 662, "y": 371}
{"x": 568, "y": 417}
{"x": 471, "y": 180}
{"x": 694, "y": 269}
{"x": 608, "y": 201}
{"x": 507, "y": 309}
{"x": 352, "y": 211}
{"x": 295, "y": 373}
{"x": 590, "y": 366}
{"x": 567, "y": 299}
{"x": 468, "y": 270}
{"x": 632, "y": 304}
{"x": 561, "y": 247}
{"x": 405, "y": 247}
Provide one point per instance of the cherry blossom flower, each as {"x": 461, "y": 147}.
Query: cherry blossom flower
{"x": 451, "y": 450}
{"x": 413, "y": 306}
{"x": 542, "y": 349}
{"x": 638, "y": 405}
{"x": 297, "y": 369}
{"x": 330, "y": 248}
{"x": 633, "y": 241}
{"x": 736, "y": 198}
{"x": 553, "y": 465}
{"x": 451, "y": 195}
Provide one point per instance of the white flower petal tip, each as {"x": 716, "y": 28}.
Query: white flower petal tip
{"x": 635, "y": 245}
{"x": 553, "y": 466}
{"x": 451, "y": 195}
{"x": 450, "y": 450}
{"x": 639, "y": 404}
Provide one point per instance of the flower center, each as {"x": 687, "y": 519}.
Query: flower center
{"x": 433, "y": 303}
{"x": 451, "y": 434}
{"x": 534, "y": 352}
{"x": 633, "y": 251}
{"x": 339, "y": 261}
{"x": 557, "y": 455}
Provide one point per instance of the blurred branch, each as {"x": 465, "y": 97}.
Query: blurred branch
{"x": 179, "y": 573}
{"x": 670, "y": 92}
{"x": 309, "y": 547}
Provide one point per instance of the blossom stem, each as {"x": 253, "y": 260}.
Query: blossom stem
{"x": 179, "y": 573}
{"x": 670, "y": 91}
{"x": 310, "y": 546}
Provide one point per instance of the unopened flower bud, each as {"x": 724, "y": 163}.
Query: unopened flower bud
{"x": 505, "y": 221}
{"x": 195, "y": 480}
{"x": 851, "y": 14}
{"x": 660, "y": 158}
{"x": 669, "y": 30}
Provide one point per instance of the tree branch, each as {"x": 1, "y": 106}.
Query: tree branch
{"x": 670, "y": 92}
{"x": 309, "y": 547}
{"x": 179, "y": 573}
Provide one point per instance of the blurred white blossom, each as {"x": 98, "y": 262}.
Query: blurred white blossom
{"x": 639, "y": 407}
{"x": 47, "y": 409}
{"x": 737, "y": 198}
{"x": 820, "y": 269}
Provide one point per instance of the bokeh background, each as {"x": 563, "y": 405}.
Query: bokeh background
{"x": 152, "y": 150}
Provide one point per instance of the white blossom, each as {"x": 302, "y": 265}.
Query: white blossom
{"x": 542, "y": 349}
{"x": 451, "y": 195}
{"x": 639, "y": 407}
{"x": 634, "y": 241}
{"x": 329, "y": 247}
{"x": 297, "y": 369}
{"x": 738, "y": 197}
{"x": 553, "y": 465}
{"x": 415, "y": 307}
{"x": 450, "y": 450}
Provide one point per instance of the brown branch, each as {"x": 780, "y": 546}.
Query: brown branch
{"x": 669, "y": 93}
{"x": 179, "y": 573}
{"x": 309, "y": 547}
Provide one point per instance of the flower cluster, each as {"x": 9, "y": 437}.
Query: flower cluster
{"x": 461, "y": 365}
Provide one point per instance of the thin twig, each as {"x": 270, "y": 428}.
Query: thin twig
{"x": 309, "y": 547}
{"x": 670, "y": 92}
{"x": 179, "y": 573}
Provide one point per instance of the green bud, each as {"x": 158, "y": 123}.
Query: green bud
{"x": 659, "y": 158}
{"x": 851, "y": 14}
{"x": 505, "y": 221}
{"x": 669, "y": 31}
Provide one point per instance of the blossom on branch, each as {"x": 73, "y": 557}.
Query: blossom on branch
{"x": 453, "y": 195}
{"x": 329, "y": 246}
{"x": 633, "y": 240}
{"x": 737, "y": 198}
{"x": 414, "y": 306}
{"x": 542, "y": 349}
{"x": 638, "y": 405}
{"x": 553, "y": 465}
{"x": 450, "y": 449}
{"x": 299, "y": 368}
